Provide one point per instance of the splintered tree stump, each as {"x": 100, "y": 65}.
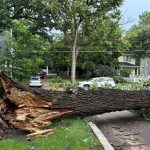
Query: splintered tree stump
{"x": 33, "y": 110}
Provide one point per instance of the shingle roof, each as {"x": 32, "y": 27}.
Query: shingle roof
{"x": 126, "y": 64}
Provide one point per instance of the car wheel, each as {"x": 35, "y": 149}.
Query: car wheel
{"x": 86, "y": 87}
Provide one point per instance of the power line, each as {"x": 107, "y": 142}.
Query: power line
{"x": 130, "y": 51}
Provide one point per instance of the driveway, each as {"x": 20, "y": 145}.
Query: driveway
{"x": 125, "y": 130}
{"x": 45, "y": 84}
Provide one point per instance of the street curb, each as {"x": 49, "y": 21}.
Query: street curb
{"x": 103, "y": 140}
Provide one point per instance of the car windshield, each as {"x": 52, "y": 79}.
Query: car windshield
{"x": 106, "y": 79}
{"x": 110, "y": 79}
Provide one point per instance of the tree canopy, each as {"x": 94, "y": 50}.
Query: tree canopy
{"x": 139, "y": 36}
{"x": 23, "y": 55}
{"x": 88, "y": 34}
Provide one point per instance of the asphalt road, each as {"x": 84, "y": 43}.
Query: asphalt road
{"x": 125, "y": 130}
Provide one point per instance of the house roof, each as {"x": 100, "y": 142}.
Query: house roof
{"x": 129, "y": 65}
{"x": 128, "y": 53}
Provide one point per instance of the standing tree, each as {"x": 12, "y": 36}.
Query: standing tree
{"x": 78, "y": 20}
{"x": 139, "y": 36}
{"x": 69, "y": 17}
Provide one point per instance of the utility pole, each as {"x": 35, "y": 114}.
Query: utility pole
{"x": 11, "y": 51}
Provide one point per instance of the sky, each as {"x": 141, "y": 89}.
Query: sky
{"x": 131, "y": 9}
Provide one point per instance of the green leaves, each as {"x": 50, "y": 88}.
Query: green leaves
{"x": 139, "y": 36}
{"x": 93, "y": 24}
{"x": 24, "y": 53}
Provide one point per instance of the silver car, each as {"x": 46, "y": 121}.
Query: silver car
{"x": 99, "y": 82}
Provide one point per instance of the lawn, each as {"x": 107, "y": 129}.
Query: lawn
{"x": 60, "y": 84}
{"x": 71, "y": 134}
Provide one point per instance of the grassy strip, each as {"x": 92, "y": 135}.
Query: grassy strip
{"x": 13, "y": 145}
{"x": 60, "y": 84}
{"x": 71, "y": 134}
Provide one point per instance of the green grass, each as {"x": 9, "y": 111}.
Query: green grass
{"x": 58, "y": 83}
{"x": 71, "y": 134}
{"x": 13, "y": 145}
{"x": 58, "y": 80}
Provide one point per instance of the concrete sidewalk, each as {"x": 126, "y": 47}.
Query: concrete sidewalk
{"x": 124, "y": 130}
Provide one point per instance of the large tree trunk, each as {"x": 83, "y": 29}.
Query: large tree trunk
{"x": 74, "y": 56}
{"x": 93, "y": 102}
{"x": 33, "y": 110}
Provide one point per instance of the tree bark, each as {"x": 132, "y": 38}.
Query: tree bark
{"x": 74, "y": 57}
{"x": 34, "y": 109}
{"x": 93, "y": 102}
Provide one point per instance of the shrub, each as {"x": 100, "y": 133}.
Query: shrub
{"x": 88, "y": 75}
{"x": 145, "y": 112}
{"x": 56, "y": 80}
{"x": 125, "y": 72}
{"x": 146, "y": 83}
{"x": 94, "y": 86}
{"x": 105, "y": 71}
{"x": 119, "y": 79}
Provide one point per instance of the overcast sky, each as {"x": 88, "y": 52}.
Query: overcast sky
{"x": 132, "y": 9}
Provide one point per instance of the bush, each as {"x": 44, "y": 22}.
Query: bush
{"x": 145, "y": 112}
{"x": 119, "y": 79}
{"x": 56, "y": 80}
{"x": 146, "y": 83}
{"x": 88, "y": 75}
{"x": 125, "y": 72}
{"x": 105, "y": 71}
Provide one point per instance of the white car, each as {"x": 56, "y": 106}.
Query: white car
{"x": 99, "y": 82}
{"x": 35, "y": 82}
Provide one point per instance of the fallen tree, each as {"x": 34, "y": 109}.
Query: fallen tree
{"x": 33, "y": 110}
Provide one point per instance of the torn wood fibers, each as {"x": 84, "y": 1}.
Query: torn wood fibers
{"x": 22, "y": 109}
{"x": 34, "y": 111}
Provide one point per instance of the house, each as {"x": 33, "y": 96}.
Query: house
{"x": 126, "y": 60}
{"x": 145, "y": 66}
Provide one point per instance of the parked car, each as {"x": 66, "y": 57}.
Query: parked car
{"x": 42, "y": 74}
{"x": 35, "y": 82}
{"x": 99, "y": 82}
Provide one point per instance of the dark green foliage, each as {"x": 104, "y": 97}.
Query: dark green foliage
{"x": 119, "y": 79}
{"x": 105, "y": 71}
{"x": 36, "y": 12}
{"x": 24, "y": 52}
{"x": 125, "y": 72}
{"x": 139, "y": 36}
{"x": 146, "y": 83}
{"x": 56, "y": 80}
{"x": 34, "y": 20}
{"x": 145, "y": 112}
